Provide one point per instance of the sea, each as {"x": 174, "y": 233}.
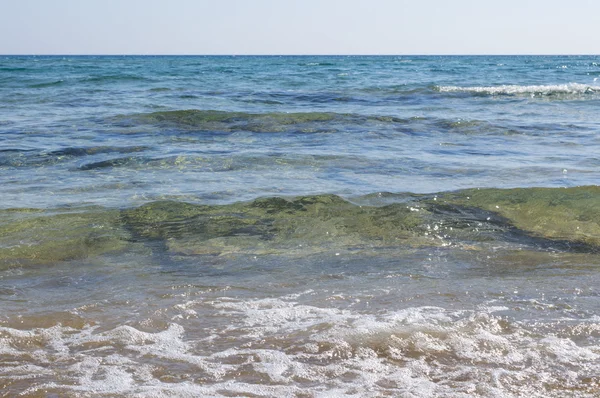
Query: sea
{"x": 300, "y": 226}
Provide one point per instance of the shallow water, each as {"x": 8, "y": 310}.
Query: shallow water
{"x": 299, "y": 226}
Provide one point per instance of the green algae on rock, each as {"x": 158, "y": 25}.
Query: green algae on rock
{"x": 540, "y": 218}
{"x": 272, "y": 225}
{"x": 38, "y": 237}
{"x": 569, "y": 214}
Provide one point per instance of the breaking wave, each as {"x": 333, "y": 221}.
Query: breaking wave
{"x": 569, "y": 89}
{"x": 286, "y": 348}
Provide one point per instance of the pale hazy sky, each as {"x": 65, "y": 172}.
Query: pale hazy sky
{"x": 299, "y": 26}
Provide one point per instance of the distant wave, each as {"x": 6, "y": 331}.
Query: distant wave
{"x": 115, "y": 78}
{"x": 534, "y": 90}
{"x": 47, "y": 84}
{"x": 316, "y": 64}
{"x": 9, "y": 69}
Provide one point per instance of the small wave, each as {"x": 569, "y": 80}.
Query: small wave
{"x": 159, "y": 89}
{"x": 262, "y": 101}
{"x": 32, "y": 158}
{"x": 14, "y": 150}
{"x": 176, "y": 162}
{"x": 84, "y": 151}
{"x": 12, "y": 69}
{"x": 534, "y": 90}
{"x": 398, "y": 90}
{"x": 129, "y": 161}
{"x": 48, "y": 84}
{"x": 317, "y": 64}
{"x": 115, "y": 78}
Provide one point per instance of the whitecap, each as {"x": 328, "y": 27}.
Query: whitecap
{"x": 533, "y": 90}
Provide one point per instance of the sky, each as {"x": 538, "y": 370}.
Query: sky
{"x": 299, "y": 27}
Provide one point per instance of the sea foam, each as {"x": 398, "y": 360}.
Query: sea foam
{"x": 533, "y": 90}
{"x": 285, "y": 348}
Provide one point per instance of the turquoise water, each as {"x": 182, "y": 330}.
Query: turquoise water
{"x": 300, "y": 226}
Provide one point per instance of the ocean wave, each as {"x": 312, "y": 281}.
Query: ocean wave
{"x": 14, "y": 150}
{"x": 84, "y": 151}
{"x": 12, "y": 69}
{"x": 533, "y": 90}
{"x": 217, "y": 161}
{"x": 399, "y": 90}
{"x": 116, "y": 78}
{"x": 48, "y": 84}
{"x": 128, "y": 161}
{"x": 316, "y": 64}
{"x": 159, "y": 89}
{"x": 198, "y": 163}
{"x": 32, "y": 158}
{"x": 283, "y": 347}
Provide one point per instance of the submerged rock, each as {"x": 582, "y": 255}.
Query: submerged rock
{"x": 272, "y": 225}
{"x": 566, "y": 214}
{"x": 38, "y": 237}
{"x": 475, "y": 219}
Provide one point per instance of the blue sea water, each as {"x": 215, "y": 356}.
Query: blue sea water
{"x": 189, "y": 290}
{"x": 452, "y": 122}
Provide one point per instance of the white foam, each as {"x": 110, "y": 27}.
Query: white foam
{"x": 533, "y": 90}
{"x": 280, "y": 347}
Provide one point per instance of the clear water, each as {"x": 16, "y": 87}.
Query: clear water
{"x": 142, "y": 252}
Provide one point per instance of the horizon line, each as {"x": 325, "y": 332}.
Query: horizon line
{"x": 291, "y": 55}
